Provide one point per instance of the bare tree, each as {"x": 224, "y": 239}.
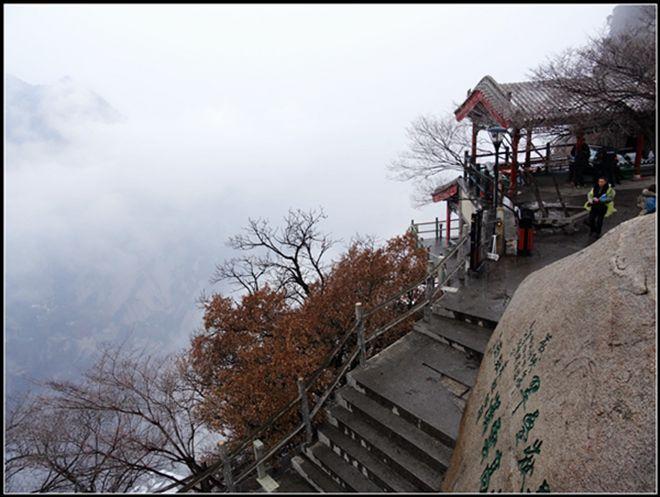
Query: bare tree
{"x": 132, "y": 415}
{"x": 54, "y": 450}
{"x": 613, "y": 77}
{"x": 290, "y": 259}
{"x": 436, "y": 146}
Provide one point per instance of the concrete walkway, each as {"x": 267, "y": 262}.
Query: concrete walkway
{"x": 487, "y": 293}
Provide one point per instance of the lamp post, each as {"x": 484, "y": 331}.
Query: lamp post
{"x": 496, "y": 135}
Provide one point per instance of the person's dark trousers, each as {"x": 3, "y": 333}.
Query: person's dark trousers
{"x": 578, "y": 174}
{"x": 596, "y": 216}
{"x": 609, "y": 172}
{"x": 571, "y": 173}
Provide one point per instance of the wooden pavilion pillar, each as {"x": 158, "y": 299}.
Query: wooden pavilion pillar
{"x": 637, "y": 171}
{"x": 528, "y": 147}
{"x": 473, "y": 150}
{"x": 448, "y": 222}
{"x": 513, "y": 187}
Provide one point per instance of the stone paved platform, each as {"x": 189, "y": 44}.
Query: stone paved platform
{"x": 488, "y": 292}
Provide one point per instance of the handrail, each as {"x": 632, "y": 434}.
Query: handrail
{"x": 417, "y": 283}
{"x": 502, "y": 192}
{"x": 433, "y": 223}
{"x": 329, "y": 390}
{"x": 396, "y": 321}
{"x": 522, "y": 150}
{"x": 453, "y": 230}
{"x": 270, "y": 453}
{"x": 190, "y": 482}
{"x": 330, "y": 357}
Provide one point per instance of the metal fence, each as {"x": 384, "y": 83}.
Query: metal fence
{"x": 436, "y": 228}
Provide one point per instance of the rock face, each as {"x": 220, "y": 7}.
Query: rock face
{"x": 565, "y": 397}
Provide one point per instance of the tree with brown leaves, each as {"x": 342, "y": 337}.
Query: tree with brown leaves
{"x": 251, "y": 351}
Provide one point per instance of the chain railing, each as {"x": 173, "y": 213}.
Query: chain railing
{"x": 432, "y": 292}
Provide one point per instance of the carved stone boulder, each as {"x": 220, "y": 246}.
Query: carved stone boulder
{"x": 565, "y": 398}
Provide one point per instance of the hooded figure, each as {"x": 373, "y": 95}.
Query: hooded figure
{"x": 600, "y": 204}
{"x": 646, "y": 201}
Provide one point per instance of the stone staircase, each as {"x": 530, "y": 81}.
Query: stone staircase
{"x": 393, "y": 426}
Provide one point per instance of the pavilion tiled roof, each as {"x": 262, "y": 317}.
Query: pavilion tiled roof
{"x": 525, "y": 104}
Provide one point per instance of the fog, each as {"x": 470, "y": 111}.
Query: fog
{"x": 174, "y": 124}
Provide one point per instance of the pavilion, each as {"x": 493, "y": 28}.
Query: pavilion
{"x": 532, "y": 106}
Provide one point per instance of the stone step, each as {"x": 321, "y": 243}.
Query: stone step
{"x": 377, "y": 470}
{"x": 353, "y": 478}
{"x": 481, "y": 312}
{"x": 453, "y": 361}
{"x": 388, "y": 448}
{"x": 426, "y": 381}
{"x": 432, "y": 451}
{"x": 458, "y": 333}
{"x": 316, "y": 477}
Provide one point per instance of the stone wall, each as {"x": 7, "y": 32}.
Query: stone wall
{"x": 565, "y": 397}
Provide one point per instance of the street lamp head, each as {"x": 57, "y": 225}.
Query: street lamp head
{"x": 497, "y": 135}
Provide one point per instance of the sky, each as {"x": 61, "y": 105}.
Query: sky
{"x": 311, "y": 99}
{"x": 228, "y": 112}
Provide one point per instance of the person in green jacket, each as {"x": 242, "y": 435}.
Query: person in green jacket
{"x": 600, "y": 204}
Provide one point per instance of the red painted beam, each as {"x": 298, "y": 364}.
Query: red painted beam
{"x": 475, "y": 98}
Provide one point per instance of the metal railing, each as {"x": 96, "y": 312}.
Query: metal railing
{"x": 432, "y": 292}
{"x": 437, "y": 228}
{"x": 480, "y": 185}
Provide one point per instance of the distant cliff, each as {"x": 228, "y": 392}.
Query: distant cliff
{"x": 565, "y": 398}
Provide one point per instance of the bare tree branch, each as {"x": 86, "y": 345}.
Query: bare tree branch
{"x": 613, "y": 78}
{"x": 131, "y": 415}
{"x": 290, "y": 258}
{"x": 436, "y": 146}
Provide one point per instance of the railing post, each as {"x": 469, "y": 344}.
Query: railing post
{"x": 413, "y": 228}
{"x": 461, "y": 250}
{"x": 226, "y": 467}
{"x": 359, "y": 319}
{"x": 304, "y": 411}
{"x": 547, "y": 157}
{"x": 437, "y": 227}
{"x": 258, "y": 446}
{"x": 460, "y": 257}
{"x": 430, "y": 287}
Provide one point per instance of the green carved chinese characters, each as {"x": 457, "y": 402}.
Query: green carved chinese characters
{"x": 528, "y": 423}
{"x": 488, "y": 472}
{"x": 495, "y": 403}
{"x": 492, "y": 438}
{"x": 526, "y": 463}
{"x": 534, "y": 386}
